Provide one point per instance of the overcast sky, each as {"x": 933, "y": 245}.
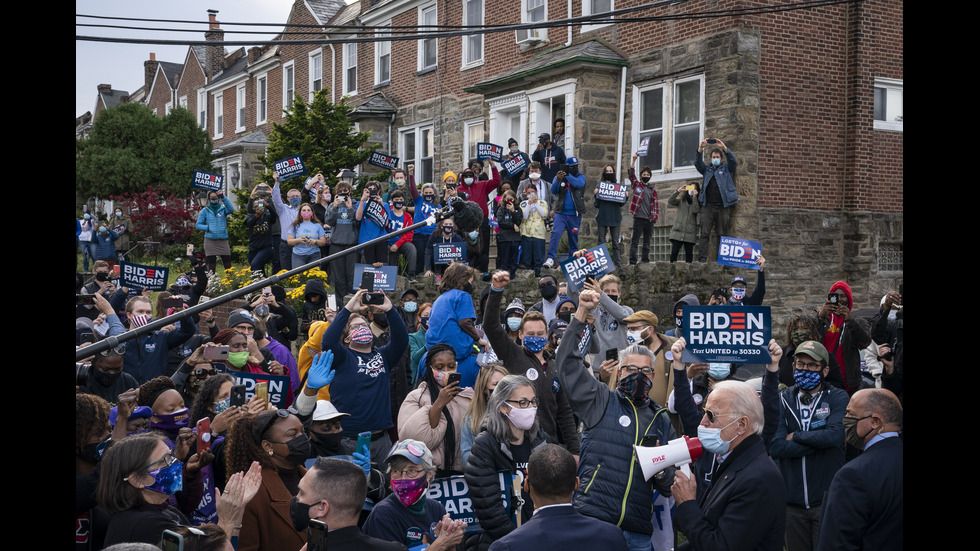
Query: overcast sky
{"x": 121, "y": 65}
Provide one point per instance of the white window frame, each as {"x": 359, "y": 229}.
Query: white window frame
{"x": 167, "y": 107}
{"x": 315, "y": 54}
{"x": 587, "y": 10}
{"x": 182, "y": 101}
{"x": 288, "y": 84}
{"x": 241, "y": 107}
{"x": 418, "y": 130}
{"x": 668, "y": 171}
{"x": 541, "y": 34}
{"x": 261, "y": 103}
{"x": 350, "y": 88}
{"x": 468, "y": 63}
{"x": 564, "y": 89}
{"x": 382, "y": 49}
{"x": 219, "y": 115}
{"x": 423, "y": 10}
{"x": 466, "y": 138}
{"x": 891, "y": 86}
{"x": 202, "y": 108}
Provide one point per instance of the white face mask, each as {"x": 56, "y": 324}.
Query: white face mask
{"x": 522, "y": 418}
{"x": 738, "y": 293}
{"x": 467, "y": 181}
{"x": 534, "y": 175}
{"x": 635, "y": 337}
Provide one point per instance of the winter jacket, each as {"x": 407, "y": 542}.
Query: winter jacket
{"x": 413, "y": 422}
{"x": 123, "y": 242}
{"x": 810, "y": 461}
{"x": 853, "y": 338}
{"x": 724, "y": 176}
{"x": 105, "y": 248}
{"x": 685, "y": 228}
{"x": 574, "y": 182}
{"x": 214, "y": 222}
{"x": 486, "y": 458}
{"x": 612, "y": 486}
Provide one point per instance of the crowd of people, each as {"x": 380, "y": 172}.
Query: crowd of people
{"x": 538, "y": 409}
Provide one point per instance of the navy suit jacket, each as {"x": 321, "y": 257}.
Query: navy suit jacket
{"x": 744, "y": 508}
{"x": 863, "y": 509}
{"x": 562, "y": 528}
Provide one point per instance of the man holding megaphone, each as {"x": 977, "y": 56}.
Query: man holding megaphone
{"x": 613, "y": 487}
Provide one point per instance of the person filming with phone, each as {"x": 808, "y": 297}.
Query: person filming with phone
{"x": 719, "y": 194}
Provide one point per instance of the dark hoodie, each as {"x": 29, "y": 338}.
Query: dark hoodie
{"x": 689, "y": 300}
{"x": 314, "y": 311}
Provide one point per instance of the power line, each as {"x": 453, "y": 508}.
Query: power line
{"x": 462, "y": 30}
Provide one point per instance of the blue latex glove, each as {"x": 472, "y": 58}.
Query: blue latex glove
{"x": 321, "y": 374}
{"x": 363, "y": 461}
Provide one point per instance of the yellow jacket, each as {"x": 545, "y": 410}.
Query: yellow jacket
{"x": 310, "y": 349}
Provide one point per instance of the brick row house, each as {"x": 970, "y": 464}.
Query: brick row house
{"x": 810, "y": 100}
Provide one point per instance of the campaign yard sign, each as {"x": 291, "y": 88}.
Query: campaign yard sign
{"x": 207, "y": 181}
{"x": 612, "y": 191}
{"x": 727, "y": 334}
{"x": 446, "y": 253}
{"x": 486, "y": 150}
{"x": 384, "y": 277}
{"x": 596, "y": 262}
{"x": 644, "y": 147}
{"x": 453, "y": 493}
{"x": 143, "y": 277}
{"x": 382, "y": 160}
{"x": 290, "y": 167}
{"x": 375, "y": 211}
{"x": 516, "y": 165}
{"x": 278, "y": 385}
{"x": 740, "y": 253}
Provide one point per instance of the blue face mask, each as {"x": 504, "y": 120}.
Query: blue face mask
{"x": 222, "y": 405}
{"x": 88, "y": 216}
{"x": 807, "y": 380}
{"x": 711, "y": 439}
{"x": 719, "y": 371}
{"x": 715, "y": 162}
{"x": 295, "y": 201}
{"x": 473, "y": 235}
{"x": 513, "y": 324}
{"x": 535, "y": 344}
{"x": 167, "y": 480}
{"x": 411, "y": 306}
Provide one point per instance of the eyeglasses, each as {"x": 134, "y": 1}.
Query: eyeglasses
{"x": 280, "y": 414}
{"x": 633, "y": 369}
{"x": 168, "y": 460}
{"x": 121, "y": 349}
{"x": 808, "y": 366}
{"x": 408, "y": 472}
{"x": 711, "y": 415}
{"x": 523, "y": 403}
{"x": 204, "y": 373}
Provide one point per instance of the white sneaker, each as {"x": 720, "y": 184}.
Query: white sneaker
{"x": 550, "y": 263}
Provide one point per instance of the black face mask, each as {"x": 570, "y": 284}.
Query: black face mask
{"x": 101, "y": 276}
{"x": 573, "y": 170}
{"x": 548, "y": 291}
{"x": 424, "y": 322}
{"x": 105, "y": 379}
{"x": 468, "y": 288}
{"x": 380, "y": 320}
{"x": 614, "y": 298}
{"x": 327, "y": 444}
{"x": 609, "y": 176}
{"x": 299, "y": 450}
{"x": 565, "y": 316}
{"x": 93, "y": 452}
{"x": 299, "y": 513}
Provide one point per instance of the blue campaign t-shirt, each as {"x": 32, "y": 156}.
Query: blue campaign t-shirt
{"x": 306, "y": 229}
{"x": 424, "y": 209}
{"x": 395, "y": 223}
{"x": 451, "y": 307}
{"x": 369, "y": 230}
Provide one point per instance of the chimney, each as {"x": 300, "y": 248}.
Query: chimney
{"x": 149, "y": 70}
{"x": 215, "y": 52}
{"x": 253, "y": 54}
{"x": 105, "y": 88}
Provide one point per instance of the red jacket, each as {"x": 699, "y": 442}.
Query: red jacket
{"x": 479, "y": 190}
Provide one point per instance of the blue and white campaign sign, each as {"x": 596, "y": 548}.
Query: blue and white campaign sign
{"x": 207, "y": 181}
{"x": 486, "y": 150}
{"x": 143, "y": 277}
{"x": 385, "y": 277}
{"x": 446, "y": 253}
{"x": 727, "y": 334}
{"x": 596, "y": 262}
{"x": 612, "y": 191}
{"x": 120, "y": 229}
{"x": 454, "y": 495}
{"x": 516, "y": 165}
{"x": 644, "y": 147}
{"x": 382, "y": 160}
{"x": 278, "y": 385}
{"x": 740, "y": 253}
{"x": 376, "y": 212}
{"x": 290, "y": 167}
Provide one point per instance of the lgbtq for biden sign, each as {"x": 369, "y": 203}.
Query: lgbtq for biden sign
{"x": 727, "y": 334}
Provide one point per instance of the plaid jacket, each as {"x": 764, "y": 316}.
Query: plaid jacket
{"x": 640, "y": 192}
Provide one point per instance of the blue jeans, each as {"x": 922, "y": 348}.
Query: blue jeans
{"x": 88, "y": 253}
{"x": 532, "y": 253}
{"x": 258, "y": 259}
{"x": 563, "y": 223}
{"x": 300, "y": 259}
{"x": 634, "y": 541}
